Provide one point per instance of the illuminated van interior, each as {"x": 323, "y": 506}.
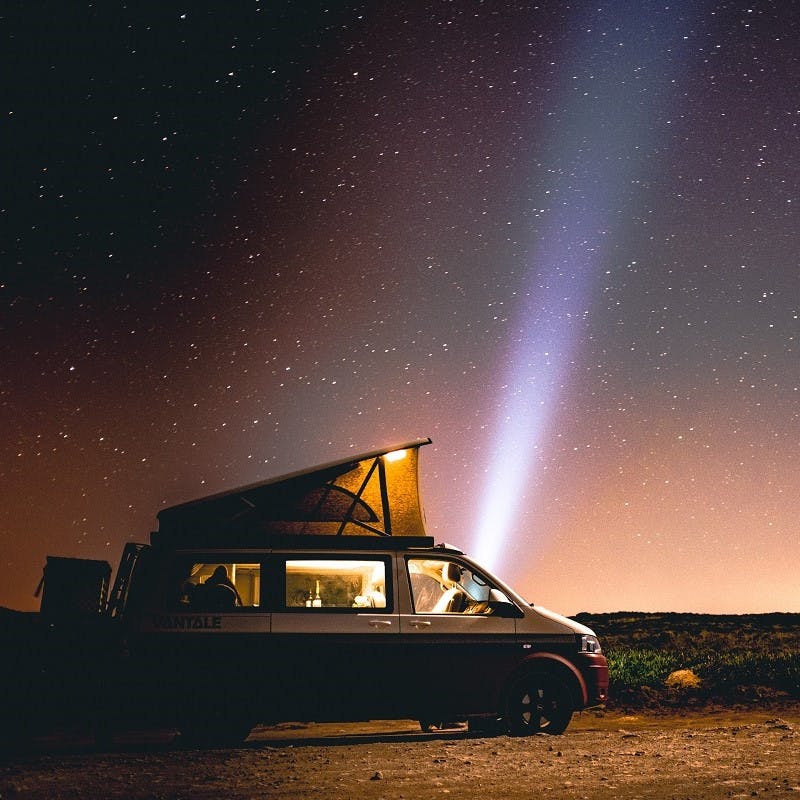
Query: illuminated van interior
{"x": 335, "y": 583}
{"x": 246, "y": 578}
{"x": 440, "y": 586}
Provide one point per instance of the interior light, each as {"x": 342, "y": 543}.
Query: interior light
{"x": 395, "y": 455}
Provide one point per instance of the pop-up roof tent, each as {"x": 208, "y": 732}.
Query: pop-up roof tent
{"x": 374, "y": 494}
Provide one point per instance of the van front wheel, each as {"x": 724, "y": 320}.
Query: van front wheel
{"x": 537, "y": 703}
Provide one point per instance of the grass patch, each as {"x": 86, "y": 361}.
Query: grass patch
{"x": 738, "y": 658}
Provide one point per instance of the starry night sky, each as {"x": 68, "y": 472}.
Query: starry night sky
{"x": 237, "y": 240}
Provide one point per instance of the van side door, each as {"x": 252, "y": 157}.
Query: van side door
{"x": 459, "y": 642}
{"x": 334, "y": 631}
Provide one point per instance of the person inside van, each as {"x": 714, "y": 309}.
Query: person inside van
{"x": 453, "y": 599}
{"x": 218, "y": 593}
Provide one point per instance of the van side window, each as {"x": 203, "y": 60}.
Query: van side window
{"x": 442, "y": 586}
{"x": 325, "y": 583}
{"x": 207, "y": 586}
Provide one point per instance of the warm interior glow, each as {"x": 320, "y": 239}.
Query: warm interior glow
{"x": 330, "y": 583}
{"x": 395, "y": 455}
{"x": 246, "y": 578}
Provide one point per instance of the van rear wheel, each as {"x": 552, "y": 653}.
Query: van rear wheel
{"x": 537, "y": 703}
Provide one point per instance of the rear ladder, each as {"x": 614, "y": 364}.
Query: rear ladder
{"x": 119, "y": 592}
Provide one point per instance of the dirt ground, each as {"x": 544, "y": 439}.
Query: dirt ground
{"x": 715, "y": 754}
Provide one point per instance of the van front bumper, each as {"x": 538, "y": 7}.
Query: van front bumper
{"x": 594, "y": 669}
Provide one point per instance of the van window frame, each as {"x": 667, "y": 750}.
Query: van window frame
{"x": 278, "y": 596}
{"x": 461, "y": 564}
{"x": 214, "y": 558}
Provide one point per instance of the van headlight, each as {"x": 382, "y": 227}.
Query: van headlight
{"x": 590, "y": 644}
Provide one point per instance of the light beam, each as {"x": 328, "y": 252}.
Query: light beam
{"x": 619, "y": 65}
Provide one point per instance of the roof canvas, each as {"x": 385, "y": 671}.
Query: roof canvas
{"x": 372, "y": 494}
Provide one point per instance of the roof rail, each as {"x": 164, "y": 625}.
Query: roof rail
{"x": 304, "y": 542}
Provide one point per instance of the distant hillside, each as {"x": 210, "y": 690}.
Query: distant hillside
{"x": 675, "y": 660}
{"x": 636, "y": 628}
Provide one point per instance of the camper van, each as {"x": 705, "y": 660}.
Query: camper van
{"x": 319, "y": 596}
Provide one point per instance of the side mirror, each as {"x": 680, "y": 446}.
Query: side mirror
{"x": 501, "y": 606}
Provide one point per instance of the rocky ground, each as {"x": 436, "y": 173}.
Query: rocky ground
{"x": 709, "y": 754}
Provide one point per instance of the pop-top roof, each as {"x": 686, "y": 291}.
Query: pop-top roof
{"x": 373, "y": 494}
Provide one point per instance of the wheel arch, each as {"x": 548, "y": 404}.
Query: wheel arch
{"x": 558, "y": 667}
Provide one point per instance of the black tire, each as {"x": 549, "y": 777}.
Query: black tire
{"x": 537, "y": 703}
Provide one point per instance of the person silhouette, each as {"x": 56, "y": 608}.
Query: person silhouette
{"x": 218, "y": 593}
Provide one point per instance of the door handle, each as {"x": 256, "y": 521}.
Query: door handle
{"x": 420, "y": 623}
{"x": 380, "y": 623}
